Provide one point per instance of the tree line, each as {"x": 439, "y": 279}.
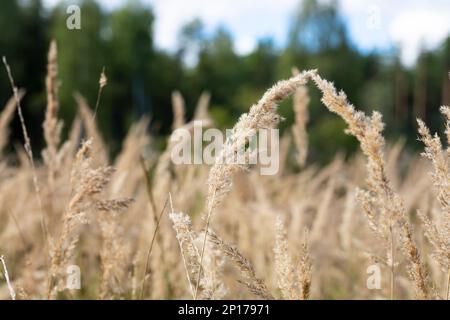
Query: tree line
{"x": 141, "y": 76}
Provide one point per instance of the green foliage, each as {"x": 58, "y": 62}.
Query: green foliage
{"x": 141, "y": 77}
{"x": 80, "y": 55}
{"x": 327, "y": 138}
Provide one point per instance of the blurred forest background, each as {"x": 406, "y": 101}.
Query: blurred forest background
{"x": 141, "y": 77}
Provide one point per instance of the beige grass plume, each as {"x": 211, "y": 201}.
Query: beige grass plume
{"x": 178, "y": 109}
{"x": 190, "y": 255}
{"x": 299, "y": 133}
{"x": 52, "y": 126}
{"x": 294, "y": 281}
{"x": 262, "y": 115}
{"x": 304, "y": 268}
{"x": 201, "y": 110}
{"x": 87, "y": 184}
{"x": 250, "y": 280}
{"x": 287, "y": 282}
{"x": 438, "y": 232}
{"x": 5, "y": 118}
{"x": 381, "y": 198}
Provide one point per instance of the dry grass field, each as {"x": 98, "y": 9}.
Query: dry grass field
{"x": 140, "y": 227}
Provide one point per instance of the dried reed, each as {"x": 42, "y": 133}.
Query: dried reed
{"x": 251, "y": 281}
{"x": 6, "y": 117}
{"x": 262, "y": 115}
{"x": 300, "y": 105}
{"x": 52, "y": 126}
{"x": 12, "y": 293}
{"x": 438, "y": 232}
{"x": 381, "y": 198}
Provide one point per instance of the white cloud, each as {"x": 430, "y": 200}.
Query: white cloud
{"x": 416, "y": 29}
{"x": 406, "y": 24}
{"x": 378, "y": 24}
{"x": 248, "y": 20}
{"x": 410, "y": 25}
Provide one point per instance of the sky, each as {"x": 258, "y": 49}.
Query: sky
{"x": 373, "y": 25}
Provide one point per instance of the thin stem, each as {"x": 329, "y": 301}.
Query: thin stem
{"x": 151, "y": 248}
{"x": 148, "y": 184}
{"x": 156, "y": 220}
{"x": 29, "y": 152}
{"x": 391, "y": 229}
{"x": 99, "y": 94}
{"x": 208, "y": 219}
{"x": 448, "y": 285}
{"x": 12, "y": 293}
{"x": 182, "y": 252}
